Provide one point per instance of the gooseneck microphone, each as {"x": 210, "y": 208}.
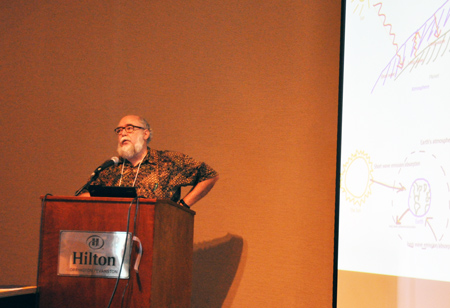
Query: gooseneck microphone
{"x": 110, "y": 162}
{"x": 113, "y": 161}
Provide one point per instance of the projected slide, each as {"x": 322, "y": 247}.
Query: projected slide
{"x": 394, "y": 208}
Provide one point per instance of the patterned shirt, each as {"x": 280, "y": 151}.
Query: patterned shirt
{"x": 160, "y": 175}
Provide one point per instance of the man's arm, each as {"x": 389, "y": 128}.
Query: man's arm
{"x": 200, "y": 190}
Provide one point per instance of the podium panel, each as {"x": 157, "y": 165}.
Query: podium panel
{"x": 165, "y": 233}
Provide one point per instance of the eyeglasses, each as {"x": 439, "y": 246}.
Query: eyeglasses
{"x": 129, "y": 129}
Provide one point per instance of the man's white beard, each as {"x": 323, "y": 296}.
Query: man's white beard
{"x": 130, "y": 150}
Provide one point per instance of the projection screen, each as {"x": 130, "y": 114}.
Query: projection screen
{"x": 394, "y": 195}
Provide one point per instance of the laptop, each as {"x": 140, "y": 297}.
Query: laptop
{"x": 112, "y": 191}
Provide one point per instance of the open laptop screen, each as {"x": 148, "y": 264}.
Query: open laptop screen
{"x": 112, "y": 191}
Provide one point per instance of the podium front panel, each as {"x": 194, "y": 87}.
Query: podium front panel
{"x": 164, "y": 229}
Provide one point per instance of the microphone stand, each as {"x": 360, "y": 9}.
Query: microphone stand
{"x": 113, "y": 161}
{"x": 94, "y": 176}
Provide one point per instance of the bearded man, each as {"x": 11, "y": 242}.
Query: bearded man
{"x": 155, "y": 174}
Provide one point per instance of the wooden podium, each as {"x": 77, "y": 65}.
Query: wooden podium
{"x": 165, "y": 272}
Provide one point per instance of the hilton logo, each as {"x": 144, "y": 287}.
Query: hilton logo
{"x": 95, "y": 242}
{"x": 94, "y": 254}
{"x": 92, "y": 259}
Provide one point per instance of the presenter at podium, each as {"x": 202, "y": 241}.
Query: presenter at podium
{"x": 154, "y": 173}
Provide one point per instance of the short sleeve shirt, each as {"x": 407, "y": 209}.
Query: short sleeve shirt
{"x": 160, "y": 175}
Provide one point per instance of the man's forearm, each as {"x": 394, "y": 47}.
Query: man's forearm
{"x": 200, "y": 190}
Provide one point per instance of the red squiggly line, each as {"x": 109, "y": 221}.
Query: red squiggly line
{"x": 415, "y": 45}
{"x": 438, "y": 32}
{"x": 400, "y": 61}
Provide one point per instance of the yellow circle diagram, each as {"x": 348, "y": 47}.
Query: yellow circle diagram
{"x": 356, "y": 177}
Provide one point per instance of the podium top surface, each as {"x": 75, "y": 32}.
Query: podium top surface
{"x": 7, "y": 291}
{"x": 116, "y": 200}
{"x": 96, "y": 199}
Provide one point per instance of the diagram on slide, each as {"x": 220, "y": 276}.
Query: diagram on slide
{"x": 419, "y": 195}
{"x": 394, "y": 202}
{"x": 426, "y": 44}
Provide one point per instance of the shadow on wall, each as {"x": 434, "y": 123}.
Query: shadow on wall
{"x": 215, "y": 266}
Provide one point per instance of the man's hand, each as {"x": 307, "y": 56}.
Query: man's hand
{"x": 86, "y": 194}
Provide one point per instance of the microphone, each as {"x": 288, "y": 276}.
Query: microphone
{"x": 113, "y": 161}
